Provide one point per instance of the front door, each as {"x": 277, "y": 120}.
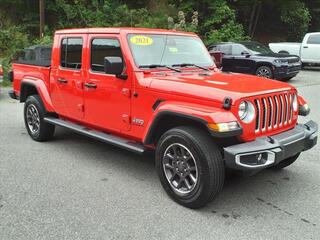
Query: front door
{"x": 107, "y": 98}
{"x": 66, "y": 83}
{"x": 311, "y": 49}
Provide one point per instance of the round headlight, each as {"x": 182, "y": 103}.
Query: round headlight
{"x": 295, "y": 102}
{"x": 246, "y": 111}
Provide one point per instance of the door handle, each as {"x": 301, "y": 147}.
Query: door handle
{"x": 305, "y": 46}
{"x": 61, "y": 80}
{"x": 90, "y": 85}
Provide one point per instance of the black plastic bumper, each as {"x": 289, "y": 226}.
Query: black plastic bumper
{"x": 286, "y": 71}
{"x": 267, "y": 151}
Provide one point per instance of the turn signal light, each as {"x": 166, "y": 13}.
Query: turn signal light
{"x": 224, "y": 127}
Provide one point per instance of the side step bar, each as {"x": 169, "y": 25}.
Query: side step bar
{"x": 101, "y": 136}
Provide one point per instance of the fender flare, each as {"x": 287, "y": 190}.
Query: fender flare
{"x": 41, "y": 89}
{"x": 200, "y": 114}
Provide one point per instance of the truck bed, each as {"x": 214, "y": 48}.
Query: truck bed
{"x": 28, "y": 71}
{"x": 286, "y": 47}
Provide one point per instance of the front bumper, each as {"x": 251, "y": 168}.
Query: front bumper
{"x": 267, "y": 151}
{"x": 287, "y": 71}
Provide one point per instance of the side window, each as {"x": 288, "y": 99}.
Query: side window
{"x": 314, "y": 39}
{"x": 101, "y": 48}
{"x": 71, "y": 53}
{"x": 226, "y": 49}
{"x": 237, "y": 49}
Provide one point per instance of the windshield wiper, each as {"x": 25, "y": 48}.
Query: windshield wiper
{"x": 159, "y": 66}
{"x": 190, "y": 65}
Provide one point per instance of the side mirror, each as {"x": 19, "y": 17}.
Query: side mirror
{"x": 245, "y": 53}
{"x": 114, "y": 66}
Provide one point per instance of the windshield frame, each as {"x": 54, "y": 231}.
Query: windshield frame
{"x": 136, "y": 65}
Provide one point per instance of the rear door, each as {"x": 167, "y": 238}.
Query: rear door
{"x": 227, "y": 58}
{"x": 107, "y": 98}
{"x": 310, "y": 51}
{"x": 66, "y": 83}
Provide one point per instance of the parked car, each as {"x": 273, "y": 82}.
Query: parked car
{"x": 159, "y": 90}
{"x": 255, "y": 58}
{"x": 308, "y": 50}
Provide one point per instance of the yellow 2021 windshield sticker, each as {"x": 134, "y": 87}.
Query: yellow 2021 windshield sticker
{"x": 141, "y": 40}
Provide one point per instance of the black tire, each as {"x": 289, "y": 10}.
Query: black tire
{"x": 208, "y": 161}
{"x": 44, "y": 131}
{"x": 284, "y": 52}
{"x": 287, "y": 79}
{"x": 264, "y": 71}
{"x": 285, "y": 163}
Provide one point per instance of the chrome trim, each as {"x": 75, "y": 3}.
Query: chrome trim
{"x": 258, "y": 116}
{"x": 277, "y": 112}
{"x": 282, "y": 112}
{"x": 270, "y": 160}
{"x": 265, "y": 114}
{"x": 287, "y": 109}
{"x": 272, "y": 113}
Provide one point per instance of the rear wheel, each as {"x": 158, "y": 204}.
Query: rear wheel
{"x": 285, "y": 163}
{"x": 284, "y": 52}
{"x": 264, "y": 71}
{"x": 34, "y": 113}
{"x": 190, "y": 166}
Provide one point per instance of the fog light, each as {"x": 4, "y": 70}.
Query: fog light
{"x": 259, "y": 158}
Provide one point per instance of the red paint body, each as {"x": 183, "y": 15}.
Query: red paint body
{"x": 112, "y": 105}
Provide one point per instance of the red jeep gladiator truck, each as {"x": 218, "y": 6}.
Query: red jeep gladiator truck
{"x": 152, "y": 89}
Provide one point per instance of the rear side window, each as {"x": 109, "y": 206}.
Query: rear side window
{"x": 225, "y": 48}
{"x": 314, "y": 39}
{"x": 101, "y": 48}
{"x": 71, "y": 53}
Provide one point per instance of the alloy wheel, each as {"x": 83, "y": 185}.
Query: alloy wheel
{"x": 33, "y": 119}
{"x": 180, "y": 168}
{"x": 263, "y": 72}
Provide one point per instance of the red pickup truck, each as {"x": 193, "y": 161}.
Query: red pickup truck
{"x": 159, "y": 90}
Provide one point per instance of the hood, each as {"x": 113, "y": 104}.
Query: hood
{"x": 277, "y": 56}
{"x": 215, "y": 85}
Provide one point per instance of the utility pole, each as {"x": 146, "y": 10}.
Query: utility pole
{"x": 41, "y": 11}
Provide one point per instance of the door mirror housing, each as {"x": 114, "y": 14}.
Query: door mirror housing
{"x": 114, "y": 66}
{"x": 245, "y": 53}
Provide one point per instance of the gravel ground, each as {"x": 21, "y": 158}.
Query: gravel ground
{"x": 76, "y": 188}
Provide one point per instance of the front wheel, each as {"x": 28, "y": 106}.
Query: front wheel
{"x": 190, "y": 166}
{"x": 264, "y": 71}
{"x": 34, "y": 113}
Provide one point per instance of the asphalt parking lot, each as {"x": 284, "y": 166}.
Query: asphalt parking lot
{"x": 76, "y": 188}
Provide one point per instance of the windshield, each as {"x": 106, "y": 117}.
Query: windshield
{"x": 257, "y": 48}
{"x": 168, "y": 50}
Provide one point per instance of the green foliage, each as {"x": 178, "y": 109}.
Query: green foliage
{"x": 12, "y": 40}
{"x": 221, "y": 25}
{"x": 213, "y": 20}
{"x": 298, "y": 18}
{"x": 228, "y": 32}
